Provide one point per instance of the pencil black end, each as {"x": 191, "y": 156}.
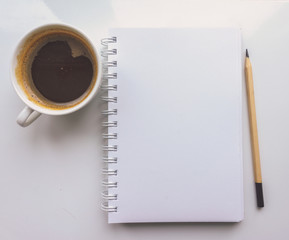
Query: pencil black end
{"x": 259, "y": 192}
{"x": 247, "y": 54}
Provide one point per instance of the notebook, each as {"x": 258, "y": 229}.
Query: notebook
{"x": 173, "y": 127}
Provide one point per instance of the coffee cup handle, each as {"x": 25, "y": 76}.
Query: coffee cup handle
{"x": 27, "y": 116}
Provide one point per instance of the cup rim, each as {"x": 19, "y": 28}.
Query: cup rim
{"x": 51, "y": 111}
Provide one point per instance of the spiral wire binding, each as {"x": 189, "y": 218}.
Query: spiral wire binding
{"x": 109, "y": 124}
{"x": 109, "y": 87}
{"x": 108, "y": 148}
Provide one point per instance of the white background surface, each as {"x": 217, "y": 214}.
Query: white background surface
{"x": 50, "y": 172}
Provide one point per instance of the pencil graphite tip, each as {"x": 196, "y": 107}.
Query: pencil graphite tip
{"x": 247, "y": 54}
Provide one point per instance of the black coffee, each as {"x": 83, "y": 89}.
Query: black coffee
{"x": 58, "y": 75}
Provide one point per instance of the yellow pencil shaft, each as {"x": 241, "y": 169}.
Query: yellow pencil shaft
{"x": 253, "y": 121}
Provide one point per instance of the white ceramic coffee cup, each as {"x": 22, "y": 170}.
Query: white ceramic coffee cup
{"x": 32, "y": 110}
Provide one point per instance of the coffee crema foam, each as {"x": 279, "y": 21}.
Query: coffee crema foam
{"x": 79, "y": 47}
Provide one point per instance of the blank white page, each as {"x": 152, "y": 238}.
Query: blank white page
{"x": 179, "y": 126}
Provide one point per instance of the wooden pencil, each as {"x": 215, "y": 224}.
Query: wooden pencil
{"x": 253, "y": 131}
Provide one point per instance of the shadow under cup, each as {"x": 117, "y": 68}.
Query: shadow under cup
{"x": 50, "y": 68}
